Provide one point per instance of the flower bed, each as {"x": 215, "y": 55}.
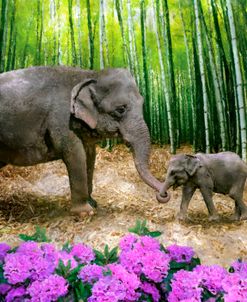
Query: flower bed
{"x": 141, "y": 269}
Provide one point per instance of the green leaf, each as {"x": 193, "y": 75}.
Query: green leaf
{"x": 2, "y": 278}
{"x": 38, "y": 236}
{"x": 177, "y": 265}
{"x": 83, "y": 291}
{"x": 73, "y": 274}
{"x": 145, "y": 298}
{"x": 63, "y": 270}
{"x": 106, "y": 251}
{"x": 107, "y": 257}
{"x": 67, "y": 247}
{"x": 107, "y": 273}
{"x": 113, "y": 255}
{"x": 206, "y": 295}
{"x": 154, "y": 234}
{"x": 141, "y": 229}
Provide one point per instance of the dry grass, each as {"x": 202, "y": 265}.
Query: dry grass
{"x": 29, "y": 197}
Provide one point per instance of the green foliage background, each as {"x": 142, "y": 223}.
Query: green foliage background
{"x": 42, "y": 32}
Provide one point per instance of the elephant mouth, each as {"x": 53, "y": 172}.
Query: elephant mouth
{"x": 106, "y": 133}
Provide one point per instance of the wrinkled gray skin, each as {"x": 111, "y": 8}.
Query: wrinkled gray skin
{"x": 50, "y": 113}
{"x": 222, "y": 173}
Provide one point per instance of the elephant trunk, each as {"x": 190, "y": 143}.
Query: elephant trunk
{"x": 163, "y": 194}
{"x": 139, "y": 139}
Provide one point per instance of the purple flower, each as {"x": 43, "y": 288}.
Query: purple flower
{"x": 155, "y": 265}
{"x": 148, "y": 243}
{"x": 82, "y": 253}
{"x": 185, "y": 287}
{"x": 130, "y": 281}
{"x": 131, "y": 242}
{"x": 30, "y": 249}
{"x": 127, "y": 242}
{"x": 143, "y": 255}
{"x": 4, "y": 288}
{"x": 91, "y": 273}
{"x": 49, "y": 252}
{"x": 4, "y": 248}
{"x": 131, "y": 260}
{"x": 19, "y": 267}
{"x": 240, "y": 267}
{"x": 28, "y": 262}
{"x": 48, "y": 290}
{"x": 152, "y": 290}
{"x": 66, "y": 259}
{"x": 211, "y": 277}
{"x": 180, "y": 253}
{"x": 108, "y": 289}
{"x": 235, "y": 288}
{"x": 16, "y": 294}
{"x": 119, "y": 286}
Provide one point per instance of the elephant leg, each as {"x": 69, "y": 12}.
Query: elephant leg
{"x": 91, "y": 155}
{"x": 207, "y": 196}
{"x": 74, "y": 157}
{"x": 187, "y": 194}
{"x": 237, "y": 212}
{"x": 236, "y": 194}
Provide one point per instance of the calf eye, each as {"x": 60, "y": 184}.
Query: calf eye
{"x": 119, "y": 111}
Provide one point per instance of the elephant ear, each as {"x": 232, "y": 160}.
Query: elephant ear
{"x": 83, "y": 104}
{"x": 192, "y": 163}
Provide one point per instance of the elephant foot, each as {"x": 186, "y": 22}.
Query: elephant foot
{"x": 235, "y": 217}
{"x": 82, "y": 210}
{"x": 243, "y": 215}
{"x": 214, "y": 217}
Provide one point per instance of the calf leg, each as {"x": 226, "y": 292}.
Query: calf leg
{"x": 236, "y": 193}
{"x": 187, "y": 194}
{"x": 207, "y": 196}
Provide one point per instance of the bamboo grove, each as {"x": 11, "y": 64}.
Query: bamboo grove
{"x": 189, "y": 58}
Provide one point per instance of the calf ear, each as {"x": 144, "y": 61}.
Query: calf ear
{"x": 82, "y": 104}
{"x": 192, "y": 163}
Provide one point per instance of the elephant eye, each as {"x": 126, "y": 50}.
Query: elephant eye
{"x": 119, "y": 111}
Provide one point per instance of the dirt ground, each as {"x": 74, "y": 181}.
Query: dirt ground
{"x": 40, "y": 196}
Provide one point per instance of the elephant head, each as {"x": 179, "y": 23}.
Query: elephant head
{"x": 181, "y": 168}
{"x": 111, "y": 105}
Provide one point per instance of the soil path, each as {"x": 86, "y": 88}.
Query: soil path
{"x": 40, "y": 196}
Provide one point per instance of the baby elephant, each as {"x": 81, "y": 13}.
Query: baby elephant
{"x": 222, "y": 173}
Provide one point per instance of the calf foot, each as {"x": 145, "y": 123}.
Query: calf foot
{"x": 82, "y": 210}
{"x": 243, "y": 215}
{"x": 182, "y": 216}
{"x": 214, "y": 217}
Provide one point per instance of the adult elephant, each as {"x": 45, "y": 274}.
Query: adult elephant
{"x": 50, "y": 113}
